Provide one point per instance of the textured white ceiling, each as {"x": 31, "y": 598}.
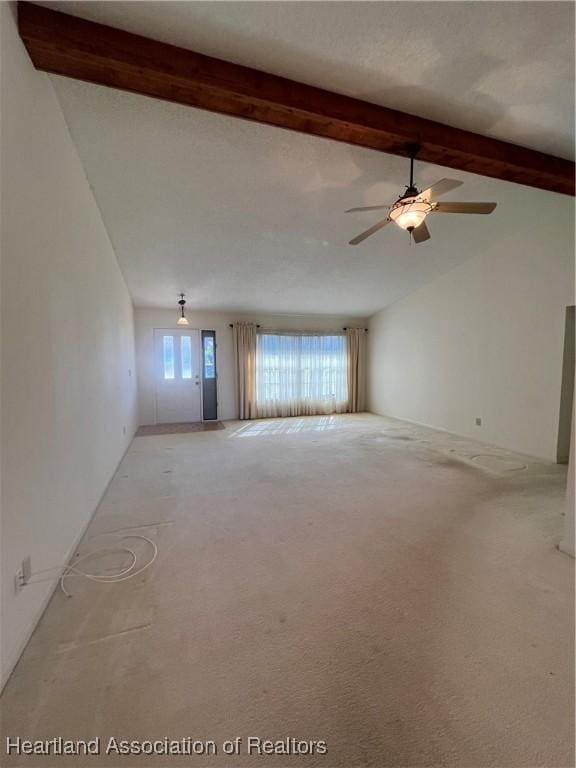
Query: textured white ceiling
{"x": 505, "y": 69}
{"x": 248, "y": 217}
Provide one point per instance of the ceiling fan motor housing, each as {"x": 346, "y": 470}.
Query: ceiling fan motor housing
{"x": 411, "y": 191}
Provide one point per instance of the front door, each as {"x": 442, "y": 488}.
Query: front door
{"x": 178, "y": 367}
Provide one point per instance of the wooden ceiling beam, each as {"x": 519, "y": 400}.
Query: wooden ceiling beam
{"x": 66, "y": 45}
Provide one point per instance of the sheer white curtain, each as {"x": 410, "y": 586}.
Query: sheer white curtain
{"x": 300, "y": 374}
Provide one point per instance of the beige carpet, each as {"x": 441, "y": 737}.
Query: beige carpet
{"x": 389, "y": 589}
{"x": 179, "y": 428}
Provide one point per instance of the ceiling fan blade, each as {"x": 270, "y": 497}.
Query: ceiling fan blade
{"x": 464, "y": 207}
{"x": 368, "y": 232}
{"x": 367, "y": 208}
{"x": 440, "y": 188}
{"x": 421, "y": 233}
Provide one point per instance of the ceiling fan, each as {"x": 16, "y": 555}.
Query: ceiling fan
{"x": 411, "y": 209}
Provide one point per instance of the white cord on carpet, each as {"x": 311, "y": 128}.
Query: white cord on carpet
{"x": 127, "y": 572}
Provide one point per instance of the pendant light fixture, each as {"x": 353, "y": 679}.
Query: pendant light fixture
{"x": 182, "y": 320}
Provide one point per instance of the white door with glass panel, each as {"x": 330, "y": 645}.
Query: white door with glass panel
{"x": 178, "y": 375}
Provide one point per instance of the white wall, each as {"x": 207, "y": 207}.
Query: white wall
{"x": 148, "y": 319}
{"x": 486, "y": 339}
{"x": 68, "y": 399}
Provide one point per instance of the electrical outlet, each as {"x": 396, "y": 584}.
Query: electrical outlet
{"x": 123, "y": 430}
{"x": 478, "y": 421}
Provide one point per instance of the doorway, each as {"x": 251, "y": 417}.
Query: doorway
{"x": 567, "y": 390}
{"x": 177, "y": 356}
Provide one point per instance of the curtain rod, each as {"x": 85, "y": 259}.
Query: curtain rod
{"x": 231, "y": 325}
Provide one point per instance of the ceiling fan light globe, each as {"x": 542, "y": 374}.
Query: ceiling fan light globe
{"x": 182, "y": 321}
{"x": 410, "y": 215}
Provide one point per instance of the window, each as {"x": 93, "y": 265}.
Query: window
{"x": 168, "y": 356}
{"x": 186, "y": 356}
{"x": 300, "y": 374}
{"x": 209, "y": 362}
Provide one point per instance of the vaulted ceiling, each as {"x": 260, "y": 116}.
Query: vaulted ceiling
{"x": 250, "y": 217}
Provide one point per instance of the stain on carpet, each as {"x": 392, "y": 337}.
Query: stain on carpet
{"x": 497, "y": 463}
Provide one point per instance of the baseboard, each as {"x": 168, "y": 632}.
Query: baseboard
{"x": 567, "y": 548}
{"x": 11, "y": 665}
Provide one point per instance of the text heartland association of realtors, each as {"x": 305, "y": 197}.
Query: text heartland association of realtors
{"x": 252, "y": 745}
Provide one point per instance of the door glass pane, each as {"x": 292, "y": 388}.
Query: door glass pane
{"x": 186, "y": 356}
{"x": 209, "y": 368}
{"x": 168, "y": 348}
